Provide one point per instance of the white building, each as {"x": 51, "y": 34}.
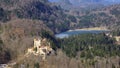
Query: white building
{"x": 117, "y": 38}
{"x": 37, "y": 42}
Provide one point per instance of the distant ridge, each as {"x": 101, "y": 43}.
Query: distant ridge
{"x": 84, "y": 3}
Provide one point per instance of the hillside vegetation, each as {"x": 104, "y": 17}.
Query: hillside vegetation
{"x": 17, "y": 35}
{"x": 52, "y": 15}
{"x": 108, "y": 17}
{"x": 58, "y": 20}
{"x": 90, "y": 46}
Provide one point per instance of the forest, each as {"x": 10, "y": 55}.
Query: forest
{"x": 90, "y": 46}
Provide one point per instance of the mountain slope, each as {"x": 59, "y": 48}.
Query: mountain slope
{"x": 58, "y": 21}
{"x": 17, "y": 35}
{"x": 85, "y": 4}
{"x": 51, "y": 14}
{"x": 22, "y": 20}
{"x": 108, "y": 16}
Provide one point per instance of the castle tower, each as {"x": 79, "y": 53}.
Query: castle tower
{"x": 37, "y": 42}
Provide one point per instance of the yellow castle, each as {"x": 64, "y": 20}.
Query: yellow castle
{"x": 42, "y": 47}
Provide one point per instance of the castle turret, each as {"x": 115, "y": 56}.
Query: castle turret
{"x": 37, "y": 42}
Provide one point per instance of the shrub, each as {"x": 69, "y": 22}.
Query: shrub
{"x": 36, "y": 65}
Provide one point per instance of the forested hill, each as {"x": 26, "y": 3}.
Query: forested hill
{"x": 107, "y": 16}
{"x": 21, "y": 20}
{"x": 56, "y": 18}
{"x": 52, "y": 15}
{"x": 84, "y": 4}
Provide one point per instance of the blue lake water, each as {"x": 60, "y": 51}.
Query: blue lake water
{"x": 75, "y": 32}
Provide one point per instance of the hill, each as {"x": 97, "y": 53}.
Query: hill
{"x": 21, "y": 21}
{"x": 107, "y": 16}
{"x": 17, "y": 35}
{"x": 84, "y": 4}
{"x": 52, "y": 15}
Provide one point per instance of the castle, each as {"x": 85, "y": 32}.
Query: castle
{"x": 41, "y": 47}
{"x": 37, "y": 43}
{"x": 117, "y": 38}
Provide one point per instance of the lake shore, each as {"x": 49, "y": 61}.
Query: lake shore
{"x": 93, "y": 28}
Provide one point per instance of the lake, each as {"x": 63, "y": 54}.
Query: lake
{"x": 76, "y": 32}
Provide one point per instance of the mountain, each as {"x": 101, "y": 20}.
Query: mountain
{"x": 107, "y": 16}
{"x": 18, "y": 26}
{"x": 86, "y": 3}
{"x": 52, "y": 15}
{"x": 55, "y": 18}
{"x": 22, "y": 20}
{"x": 17, "y": 35}
{"x": 63, "y": 3}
